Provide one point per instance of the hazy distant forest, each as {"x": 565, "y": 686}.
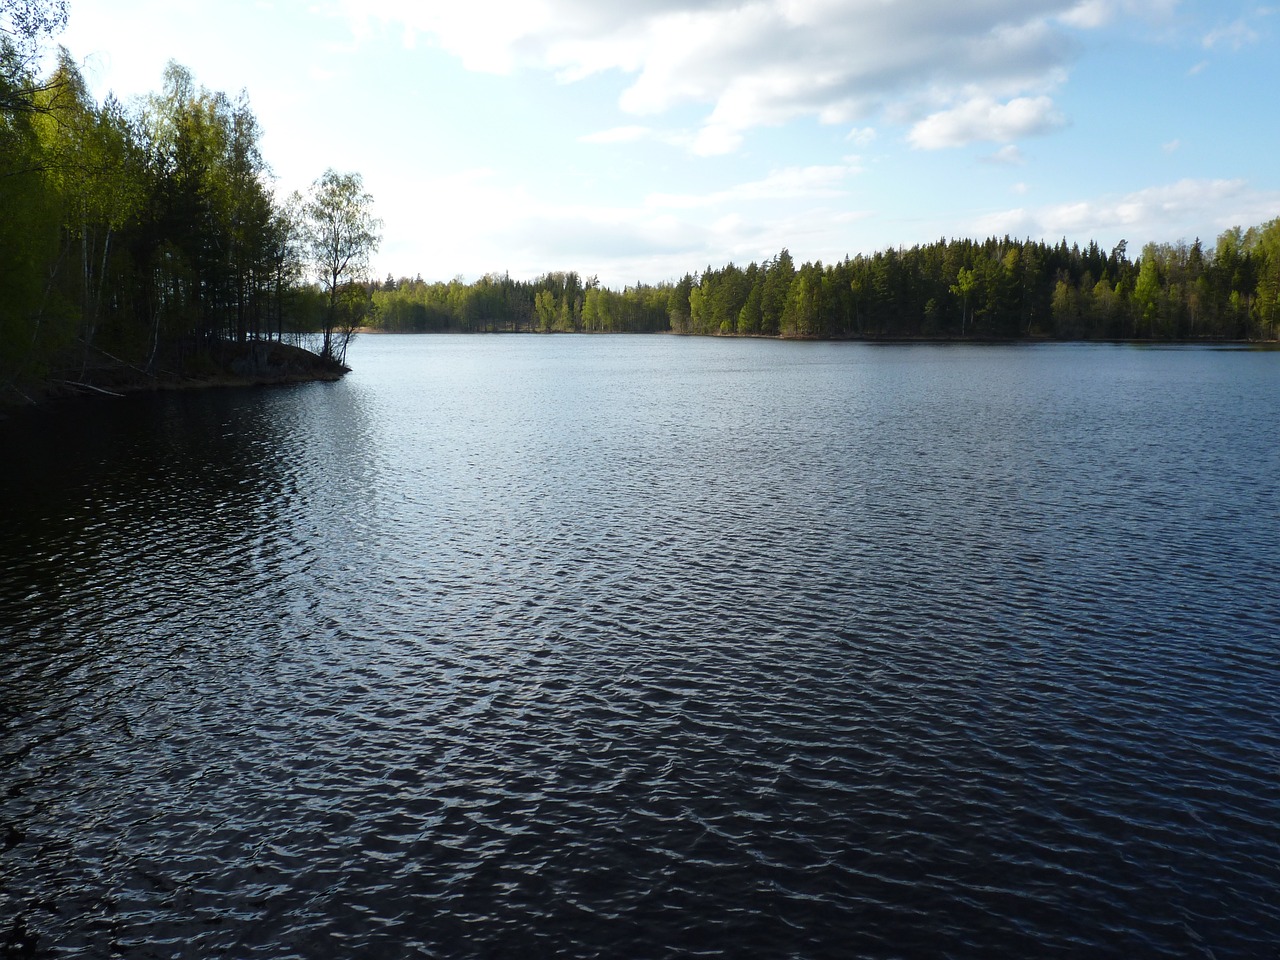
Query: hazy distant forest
{"x": 999, "y": 288}
{"x": 140, "y": 235}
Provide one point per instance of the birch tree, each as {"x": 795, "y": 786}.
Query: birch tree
{"x": 341, "y": 234}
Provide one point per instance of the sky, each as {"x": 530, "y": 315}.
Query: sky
{"x": 640, "y": 141}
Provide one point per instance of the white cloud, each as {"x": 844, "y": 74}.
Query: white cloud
{"x": 791, "y": 183}
{"x": 1183, "y": 209}
{"x": 1089, "y": 15}
{"x": 755, "y": 63}
{"x": 497, "y": 226}
{"x": 636, "y": 133}
{"x": 861, "y": 136}
{"x": 1008, "y": 155}
{"x": 983, "y": 118}
{"x": 1014, "y": 223}
{"x": 1234, "y": 35}
{"x": 453, "y": 25}
{"x": 1092, "y": 14}
{"x": 715, "y": 139}
{"x": 630, "y": 134}
{"x": 1171, "y": 147}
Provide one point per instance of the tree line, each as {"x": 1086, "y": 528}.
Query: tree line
{"x": 556, "y": 302}
{"x": 999, "y": 288}
{"x": 140, "y": 235}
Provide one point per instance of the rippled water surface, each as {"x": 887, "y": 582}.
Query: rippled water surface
{"x": 650, "y": 647}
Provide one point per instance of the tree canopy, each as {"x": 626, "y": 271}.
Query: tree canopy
{"x": 138, "y": 236}
{"x": 340, "y": 233}
{"x": 23, "y": 25}
{"x": 998, "y": 288}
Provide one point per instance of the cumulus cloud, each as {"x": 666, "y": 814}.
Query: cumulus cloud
{"x": 1185, "y": 209}
{"x": 985, "y": 119}
{"x": 1089, "y": 15}
{"x": 1092, "y": 14}
{"x": 979, "y": 71}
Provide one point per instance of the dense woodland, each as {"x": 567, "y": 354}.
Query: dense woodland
{"x": 137, "y": 236}
{"x": 1000, "y": 288}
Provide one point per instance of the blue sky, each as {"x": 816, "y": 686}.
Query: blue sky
{"x": 637, "y": 141}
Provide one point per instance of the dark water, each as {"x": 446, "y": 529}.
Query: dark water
{"x": 648, "y": 647}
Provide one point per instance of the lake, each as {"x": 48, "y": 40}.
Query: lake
{"x": 650, "y": 647}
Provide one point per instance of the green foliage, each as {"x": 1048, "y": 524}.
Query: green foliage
{"x": 25, "y": 21}
{"x": 340, "y": 234}
{"x": 1264, "y": 246}
{"x": 139, "y": 237}
{"x": 24, "y": 24}
{"x": 552, "y": 303}
{"x": 966, "y": 283}
{"x": 998, "y": 288}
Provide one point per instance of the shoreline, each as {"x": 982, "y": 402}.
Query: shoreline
{"x": 257, "y": 363}
{"x": 981, "y": 341}
{"x": 268, "y": 363}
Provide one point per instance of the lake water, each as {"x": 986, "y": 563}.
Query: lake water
{"x": 650, "y": 647}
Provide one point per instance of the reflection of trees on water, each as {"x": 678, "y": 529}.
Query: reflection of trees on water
{"x": 188, "y": 529}
{"x": 133, "y": 501}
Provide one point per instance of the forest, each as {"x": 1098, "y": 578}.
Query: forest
{"x": 138, "y": 240}
{"x": 994, "y": 289}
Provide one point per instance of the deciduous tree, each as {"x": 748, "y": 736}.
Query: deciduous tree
{"x": 341, "y": 233}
